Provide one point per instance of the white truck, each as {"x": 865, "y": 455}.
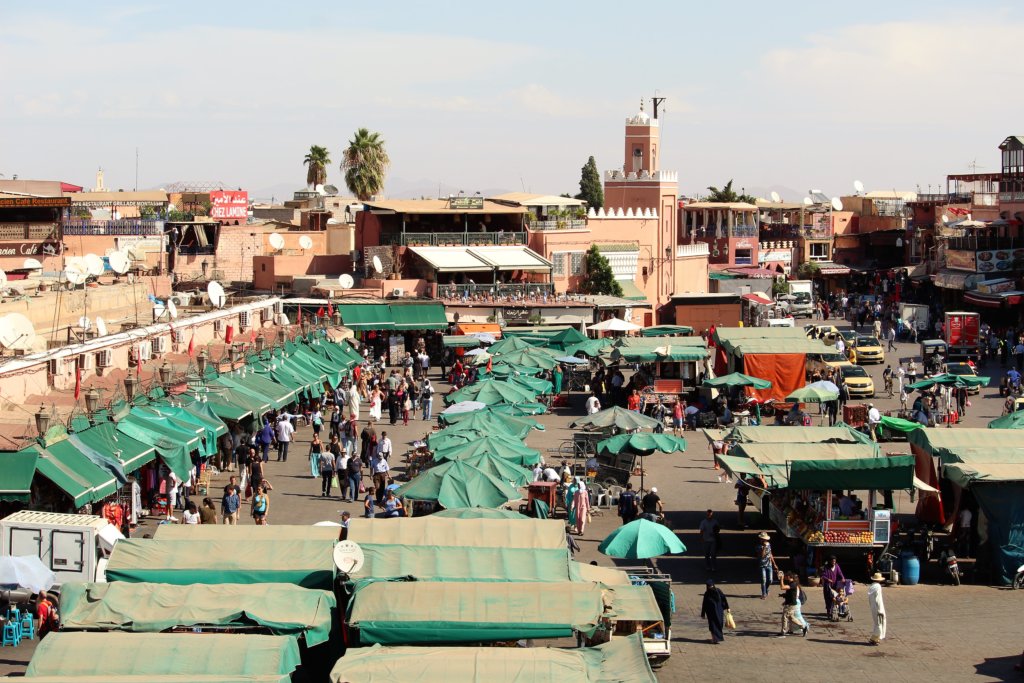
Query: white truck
{"x": 74, "y": 547}
{"x": 803, "y": 304}
{"x": 916, "y": 315}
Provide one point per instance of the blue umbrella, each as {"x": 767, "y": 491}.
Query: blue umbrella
{"x": 573, "y": 360}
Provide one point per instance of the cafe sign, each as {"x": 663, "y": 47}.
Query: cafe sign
{"x": 466, "y": 203}
{"x": 515, "y": 314}
{"x": 31, "y": 249}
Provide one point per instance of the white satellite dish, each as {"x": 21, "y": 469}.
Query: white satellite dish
{"x": 85, "y": 323}
{"x": 172, "y": 309}
{"x": 858, "y": 186}
{"x": 348, "y": 557}
{"x": 305, "y": 242}
{"x": 837, "y": 204}
{"x": 101, "y": 326}
{"x": 3, "y": 279}
{"x": 331, "y": 190}
{"x": 276, "y": 241}
{"x": 75, "y": 274}
{"x": 215, "y": 291}
{"x": 318, "y": 188}
{"x": 775, "y": 197}
{"x": 808, "y": 201}
{"x": 945, "y": 219}
{"x": 119, "y": 262}
{"x": 94, "y": 265}
{"x": 32, "y": 264}
{"x": 346, "y": 281}
{"x": 16, "y": 332}
{"x": 377, "y": 265}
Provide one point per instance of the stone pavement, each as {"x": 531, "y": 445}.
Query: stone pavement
{"x": 936, "y": 632}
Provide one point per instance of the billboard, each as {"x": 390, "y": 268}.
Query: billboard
{"x": 961, "y": 260}
{"x": 229, "y": 204}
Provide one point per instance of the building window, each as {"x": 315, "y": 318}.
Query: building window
{"x": 743, "y": 257}
{"x": 576, "y": 263}
{"x": 819, "y": 251}
{"x": 558, "y": 263}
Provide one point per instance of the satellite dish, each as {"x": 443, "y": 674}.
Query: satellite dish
{"x": 348, "y": 557}
{"x": 318, "y": 188}
{"x": 101, "y": 327}
{"x": 775, "y": 197}
{"x": 837, "y": 204}
{"x": 331, "y": 190}
{"x": 172, "y": 309}
{"x": 305, "y": 242}
{"x": 94, "y": 265}
{"x": 276, "y": 241}
{"x": 85, "y": 323}
{"x": 119, "y": 262}
{"x": 945, "y": 219}
{"x": 377, "y": 265}
{"x": 16, "y": 332}
{"x": 32, "y": 264}
{"x": 3, "y": 279}
{"x": 346, "y": 281}
{"x": 75, "y": 274}
{"x": 858, "y": 186}
{"x": 808, "y": 201}
{"x": 215, "y": 291}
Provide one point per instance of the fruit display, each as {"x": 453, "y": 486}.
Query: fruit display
{"x": 841, "y": 537}
{"x": 816, "y": 537}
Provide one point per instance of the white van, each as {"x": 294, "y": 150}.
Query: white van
{"x": 74, "y": 547}
{"x": 780, "y": 322}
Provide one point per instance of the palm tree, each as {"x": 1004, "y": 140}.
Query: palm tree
{"x": 727, "y": 195}
{"x": 316, "y": 162}
{"x": 365, "y": 163}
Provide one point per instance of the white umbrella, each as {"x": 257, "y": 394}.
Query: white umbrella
{"x": 484, "y": 337}
{"x": 26, "y": 571}
{"x": 614, "y": 325}
{"x": 477, "y": 352}
{"x": 464, "y": 407}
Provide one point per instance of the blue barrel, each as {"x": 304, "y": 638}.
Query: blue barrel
{"x": 910, "y": 568}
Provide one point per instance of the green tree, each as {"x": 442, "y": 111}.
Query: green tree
{"x": 599, "y": 278}
{"x": 590, "y": 185}
{"x": 316, "y": 162}
{"x": 727, "y": 195}
{"x": 808, "y": 270}
{"x": 365, "y": 164}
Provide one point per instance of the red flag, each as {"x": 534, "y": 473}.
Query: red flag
{"x": 330, "y": 308}
{"x": 320, "y": 312}
{"x": 299, "y": 319}
{"x": 488, "y": 365}
{"x": 229, "y": 334}
{"x": 78, "y": 381}
{"x": 252, "y": 336}
{"x": 192, "y": 345}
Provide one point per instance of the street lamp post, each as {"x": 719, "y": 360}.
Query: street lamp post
{"x": 201, "y": 361}
{"x": 42, "y": 420}
{"x": 165, "y": 373}
{"x": 92, "y": 401}
{"x": 130, "y": 385}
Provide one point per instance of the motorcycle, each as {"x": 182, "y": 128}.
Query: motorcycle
{"x": 1018, "y": 581}
{"x": 948, "y": 557}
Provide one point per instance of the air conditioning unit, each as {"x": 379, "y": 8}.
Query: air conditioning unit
{"x": 159, "y": 345}
{"x": 56, "y": 366}
{"x": 244, "y": 320}
{"x": 218, "y": 326}
{"x": 279, "y": 307}
{"x": 179, "y": 336}
{"x": 266, "y": 315}
{"x": 145, "y": 351}
{"x": 397, "y": 292}
{"x": 87, "y": 361}
{"x": 182, "y": 299}
{"x": 104, "y": 358}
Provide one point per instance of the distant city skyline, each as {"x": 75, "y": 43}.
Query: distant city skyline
{"x": 479, "y": 97}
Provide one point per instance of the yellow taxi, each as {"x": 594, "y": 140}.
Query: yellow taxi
{"x": 859, "y": 382}
{"x": 821, "y": 362}
{"x": 869, "y": 350}
{"x": 963, "y": 369}
{"x": 826, "y": 333}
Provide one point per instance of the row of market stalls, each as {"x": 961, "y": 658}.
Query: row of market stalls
{"x": 431, "y": 598}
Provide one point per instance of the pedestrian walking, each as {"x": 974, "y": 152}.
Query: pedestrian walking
{"x": 260, "y": 506}
{"x": 316, "y": 418}
{"x": 891, "y": 337}
{"x": 341, "y": 460}
{"x": 355, "y": 476}
{"x": 877, "y": 607}
{"x": 832, "y": 580}
{"x": 285, "y": 431}
{"x": 713, "y": 609}
{"x": 230, "y": 503}
{"x": 742, "y": 490}
{"x": 628, "y": 507}
{"x": 427, "y": 398}
{"x": 766, "y": 560}
{"x": 709, "y": 533}
{"x": 265, "y": 438}
{"x": 326, "y": 473}
{"x": 791, "y": 605}
{"x": 316, "y": 449}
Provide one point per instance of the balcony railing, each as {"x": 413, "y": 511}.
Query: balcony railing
{"x": 29, "y": 231}
{"x": 126, "y": 228}
{"x": 744, "y": 231}
{"x": 1011, "y": 196}
{"x": 974, "y": 243}
{"x": 454, "y": 239}
{"x": 559, "y": 224}
{"x": 539, "y": 292}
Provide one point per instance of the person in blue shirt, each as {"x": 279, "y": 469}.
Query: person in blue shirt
{"x": 266, "y": 437}
{"x": 230, "y": 503}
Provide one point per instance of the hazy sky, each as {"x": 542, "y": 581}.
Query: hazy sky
{"x": 510, "y": 95}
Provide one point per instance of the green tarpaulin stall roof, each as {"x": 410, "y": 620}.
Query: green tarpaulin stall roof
{"x": 253, "y": 397}
{"x": 774, "y": 460}
{"x": 155, "y": 607}
{"x": 74, "y": 474}
{"x": 634, "y": 603}
{"x": 944, "y": 443}
{"x": 413, "y": 612}
{"x": 668, "y": 352}
{"x": 665, "y": 330}
{"x": 447, "y": 563}
{"x": 896, "y": 424}
{"x": 419, "y": 316}
{"x": 840, "y": 433}
{"x": 156, "y": 654}
{"x": 473, "y": 533}
{"x": 463, "y": 341}
{"x": 359, "y": 317}
{"x": 16, "y": 472}
{"x": 621, "y": 660}
{"x": 893, "y": 472}
{"x": 105, "y": 438}
{"x": 305, "y": 563}
{"x": 234, "y": 533}
{"x": 278, "y": 395}
{"x": 172, "y": 444}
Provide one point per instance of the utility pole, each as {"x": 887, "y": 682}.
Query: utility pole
{"x": 136, "y": 169}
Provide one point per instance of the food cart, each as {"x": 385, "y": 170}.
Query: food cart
{"x": 669, "y": 367}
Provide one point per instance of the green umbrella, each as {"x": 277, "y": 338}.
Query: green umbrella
{"x": 488, "y": 417}
{"x": 616, "y": 417}
{"x": 458, "y": 485}
{"x": 812, "y": 394}
{"x": 541, "y": 386}
{"x": 738, "y": 379}
{"x": 500, "y": 468}
{"x": 510, "y": 344}
{"x": 453, "y": 436}
{"x": 948, "y": 380}
{"x": 519, "y": 409}
{"x": 641, "y": 539}
{"x": 512, "y": 451}
{"x": 479, "y": 513}
{"x": 489, "y": 423}
{"x": 898, "y": 424}
{"x": 642, "y": 443}
{"x": 541, "y": 359}
{"x": 492, "y": 392}
{"x": 1014, "y": 420}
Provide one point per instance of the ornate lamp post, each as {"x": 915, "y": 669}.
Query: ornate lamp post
{"x": 92, "y": 401}
{"x": 130, "y": 385}
{"x": 42, "y": 420}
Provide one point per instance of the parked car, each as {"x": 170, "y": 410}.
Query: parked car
{"x": 869, "y": 350}
{"x": 859, "y": 382}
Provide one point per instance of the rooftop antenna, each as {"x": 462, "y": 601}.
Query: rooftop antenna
{"x": 656, "y": 102}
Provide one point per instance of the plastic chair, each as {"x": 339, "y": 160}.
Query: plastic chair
{"x": 11, "y": 635}
{"x": 28, "y": 626}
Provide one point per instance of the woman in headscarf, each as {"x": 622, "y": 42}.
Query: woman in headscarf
{"x": 713, "y": 609}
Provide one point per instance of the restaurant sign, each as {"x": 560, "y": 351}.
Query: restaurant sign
{"x": 466, "y": 203}
{"x": 229, "y": 204}
{"x": 960, "y": 260}
{"x": 18, "y": 202}
{"x": 33, "y": 249}
{"x": 998, "y": 260}
{"x": 515, "y": 314}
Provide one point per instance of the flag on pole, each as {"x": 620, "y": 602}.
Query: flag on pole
{"x": 320, "y": 312}
{"x": 192, "y": 345}
{"x": 78, "y": 381}
{"x": 299, "y": 319}
{"x": 229, "y": 334}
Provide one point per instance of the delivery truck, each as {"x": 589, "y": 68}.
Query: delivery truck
{"x": 74, "y": 547}
{"x": 803, "y": 303}
{"x": 962, "y": 333}
{"x": 916, "y": 316}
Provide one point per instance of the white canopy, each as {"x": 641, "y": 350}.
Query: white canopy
{"x": 614, "y": 325}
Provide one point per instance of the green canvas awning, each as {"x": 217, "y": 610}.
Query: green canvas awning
{"x": 521, "y": 532}
{"x": 16, "y": 471}
{"x": 665, "y": 330}
{"x": 463, "y": 341}
{"x": 155, "y": 607}
{"x": 173, "y": 445}
{"x": 236, "y": 533}
{"x": 233, "y": 407}
{"x": 672, "y": 353}
{"x": 185, "y": 424}
{"x": 359, "y": 317}
{"x": 893, "y": 472}
{"x": 414, "y": 612}
{"x": 226, "y": 655}
{"x": 306, "y": 563}
{"x": 74, "y": 474}
{"x": 446, "y": 563}
{"x": 630, "y": 290}
{"x": 105, "y": 438}
{"x": 278, "y": 395}
{"x": 419, "y": 316}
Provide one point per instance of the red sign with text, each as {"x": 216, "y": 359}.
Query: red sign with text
{"x": 229, "y": 204}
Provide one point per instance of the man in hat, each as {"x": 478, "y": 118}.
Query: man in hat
{"x": 877, "y": 607}
{"x": 767, "y": 561}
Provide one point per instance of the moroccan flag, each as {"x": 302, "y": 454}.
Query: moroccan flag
{"x": 330, "y": 308}
{"x": 299, "y": 319}
{"x": 488, "y": 365}
{"x": 192, "y": 345}
{"x": 78, "y": 381}
{"x": 229, "y": 334}
{"x": 320, "y": 312}
{"x": 252, "y": 336}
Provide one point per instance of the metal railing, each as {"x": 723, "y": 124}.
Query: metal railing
{"x": 559, "y": 224}
{"x": 744, "y": 231}
{"x": 975, "y": 243}
{"x": 454, "y": 239}
{"x": 514, "y": 291}
{"x": 139, "y": 228}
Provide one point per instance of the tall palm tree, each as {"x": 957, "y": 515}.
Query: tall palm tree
{"x": 316, "y": 162}
{"x": 727, "y": 195}
{"x": 365, "y": 164}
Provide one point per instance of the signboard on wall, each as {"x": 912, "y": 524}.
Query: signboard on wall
{"x": 229, "y": 204}
{"x": 998, "y": 260}
{"x": 960, "y": 260}
{"x": 8, "y": 202}
{"x": 34, "y": 249}
{"x": 466, "y": 203}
